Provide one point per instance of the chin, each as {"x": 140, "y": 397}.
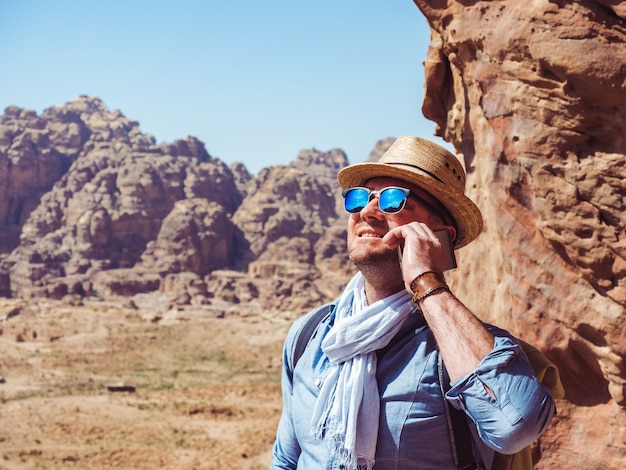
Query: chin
{"x": 364, "y": 256}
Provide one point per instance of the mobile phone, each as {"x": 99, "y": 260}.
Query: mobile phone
{"x": 446, "y": 242}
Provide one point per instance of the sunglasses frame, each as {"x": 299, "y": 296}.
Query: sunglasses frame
{"x": 372, "y": 193}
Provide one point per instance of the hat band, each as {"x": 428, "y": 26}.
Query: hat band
{"x": 416, "y": 167}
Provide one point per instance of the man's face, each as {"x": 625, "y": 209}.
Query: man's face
{"x": 367, "y": 227}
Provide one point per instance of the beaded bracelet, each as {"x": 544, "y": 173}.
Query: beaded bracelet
{"x": 427, "y": 284}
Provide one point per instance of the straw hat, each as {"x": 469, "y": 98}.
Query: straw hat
{"x": 432, "y": 168}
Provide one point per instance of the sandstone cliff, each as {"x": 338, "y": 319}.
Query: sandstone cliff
{"x": 532, "y": 94}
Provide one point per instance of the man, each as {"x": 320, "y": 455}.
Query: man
{"x": 366, "y": 392}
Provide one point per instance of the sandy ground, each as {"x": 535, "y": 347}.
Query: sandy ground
{"x": 202, "y": 388}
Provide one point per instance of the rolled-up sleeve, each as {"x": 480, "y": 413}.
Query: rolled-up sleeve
{"x": 519, "y": 407}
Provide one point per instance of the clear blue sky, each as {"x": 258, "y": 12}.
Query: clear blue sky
{"x": 255, "y": 81}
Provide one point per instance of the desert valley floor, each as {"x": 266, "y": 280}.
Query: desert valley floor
{"x": 107, "y": 386}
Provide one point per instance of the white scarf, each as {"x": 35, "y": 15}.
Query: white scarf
{"x": 347, "y": 410}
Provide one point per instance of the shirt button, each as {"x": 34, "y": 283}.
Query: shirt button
{"x": 318, "y": 383}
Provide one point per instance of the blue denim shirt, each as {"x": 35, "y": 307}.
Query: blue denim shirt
{"x": 413, "y": 429}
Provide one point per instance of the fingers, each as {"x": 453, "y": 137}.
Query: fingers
{"x": 394, "y": 238}
{"x": 422, "y": 249}
{"x": 408, "y": 233}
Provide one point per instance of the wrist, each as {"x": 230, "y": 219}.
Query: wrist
{"x": 426, "y": 284}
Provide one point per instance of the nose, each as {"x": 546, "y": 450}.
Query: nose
{"x": 371, "y": 209}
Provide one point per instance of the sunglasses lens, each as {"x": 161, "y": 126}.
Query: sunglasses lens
{"x": 391, "y": 200}
{"x": 356, "y": 199}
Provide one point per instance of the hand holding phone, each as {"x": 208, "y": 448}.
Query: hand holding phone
{"x": 446, "y": 242}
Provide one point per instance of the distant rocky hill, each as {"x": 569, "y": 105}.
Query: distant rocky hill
{"x": 91, "y": 206}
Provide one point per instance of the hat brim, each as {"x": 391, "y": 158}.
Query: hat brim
{"x": 466, "y": 214}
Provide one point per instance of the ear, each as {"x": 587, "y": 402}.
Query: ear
{"x": 452, "y": 231}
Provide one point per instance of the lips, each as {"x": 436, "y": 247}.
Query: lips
{"x": 368, "y": 234}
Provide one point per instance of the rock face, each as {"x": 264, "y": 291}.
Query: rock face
{"x": 532, "y": 95}
{"x": 93, "y": 207}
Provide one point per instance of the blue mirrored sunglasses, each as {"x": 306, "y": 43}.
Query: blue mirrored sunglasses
{"x": 391, "y": 199}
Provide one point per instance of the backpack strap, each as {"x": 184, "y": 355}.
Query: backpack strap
{"x": 306, "y": 332}
{"x": 460, "y": 435}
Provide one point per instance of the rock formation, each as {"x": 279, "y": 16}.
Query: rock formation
{"x": 531, "y": 94}
{"x": 93, "y": 207}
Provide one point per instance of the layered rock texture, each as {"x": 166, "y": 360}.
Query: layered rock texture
{"x": 532, "y": 94}
{"x": 91, "y": 207}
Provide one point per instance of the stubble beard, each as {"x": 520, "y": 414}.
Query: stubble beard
{"x": 381, "y": 266}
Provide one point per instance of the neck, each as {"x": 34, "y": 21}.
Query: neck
{"x": 381, "y": 283}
